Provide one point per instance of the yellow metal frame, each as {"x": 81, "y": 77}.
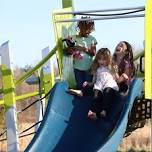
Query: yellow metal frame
{"x": 148, "y": 50}
{"x": 62, "y": 30}
{"x": 9, "y": 85}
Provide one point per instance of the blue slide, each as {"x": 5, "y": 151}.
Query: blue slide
{"x": 66, "y": 128}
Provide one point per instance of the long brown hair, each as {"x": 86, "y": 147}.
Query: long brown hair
{"x": 128, "y": 56}
{"x": 105, "y": 52}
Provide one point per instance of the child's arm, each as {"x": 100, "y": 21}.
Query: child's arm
{"x": 70, "y": 50}
{"x": 121, "y": 78}
{"x": 69, "y": 45}
{"x": 90, "y": 84}
{"x": 115, "y": 72}
{"x": 91, "y": 51}
{"x": 124, "y": 76}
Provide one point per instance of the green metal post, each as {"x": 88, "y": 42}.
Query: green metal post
{"x": 67, "y": 3}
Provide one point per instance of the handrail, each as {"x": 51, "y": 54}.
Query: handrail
{"x": 100, "y": 18}
{"x": 139, "y": 55}
{"x": 111, "y": 14}
{"x": 1, "y": 102}
{"x": 24, "y": 96}
{"x": 29, "y": 73}
{"x": 103, "y": 10}
{"x": 1, "y": 91}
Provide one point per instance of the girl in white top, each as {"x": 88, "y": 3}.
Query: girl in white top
{"x": 102, "y": 74}
{"x": 103, "y": 79}
{"x": 103, "y": 84}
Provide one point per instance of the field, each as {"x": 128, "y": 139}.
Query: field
{"x": 139, "y": 140}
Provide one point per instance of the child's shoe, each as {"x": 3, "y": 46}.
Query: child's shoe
{"x": 92, "y": 115}
{"x": 76, "y": 92}
{"x": 103, "y": 114}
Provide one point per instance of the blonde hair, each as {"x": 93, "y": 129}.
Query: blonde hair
{"x": 103, "y": 52}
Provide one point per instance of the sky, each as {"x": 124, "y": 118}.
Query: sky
{"x": 28, "y": 26}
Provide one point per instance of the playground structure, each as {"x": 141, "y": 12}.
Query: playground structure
{"x": 62, "y": 113}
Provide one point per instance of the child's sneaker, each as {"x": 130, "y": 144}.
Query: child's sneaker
{"x": 103, "y": 114}
{"x": 92, "y": 115}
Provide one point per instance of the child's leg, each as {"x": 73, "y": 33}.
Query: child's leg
{"x": 108, "y": 98}
{"x": 96, "y": 104}
{"x": 92, "y": 115}
{"x": 87, "y": 90}
{"x": 88, "y": 76}
{"x": 79, "y": 77}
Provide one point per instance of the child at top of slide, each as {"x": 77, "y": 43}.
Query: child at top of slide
{"x": 85, "y": 46}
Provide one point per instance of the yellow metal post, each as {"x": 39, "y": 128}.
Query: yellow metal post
{"x": 67, "y": 3}
{"x": 148, "y": 50}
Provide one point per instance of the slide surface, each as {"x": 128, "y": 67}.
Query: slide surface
{"x": 66, "y": 128}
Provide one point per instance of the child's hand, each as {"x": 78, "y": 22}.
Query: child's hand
{"x": 70, "y": 38}
{"x": 125, "y": 76}
{"x": 85, "y": 84}
{"x": 77, "y": 55}
{"x": 69, "y": 41}
{"x": 70, "y": 50}
{"x": 115, "y": 67}
{"x": 90, "y": 84}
